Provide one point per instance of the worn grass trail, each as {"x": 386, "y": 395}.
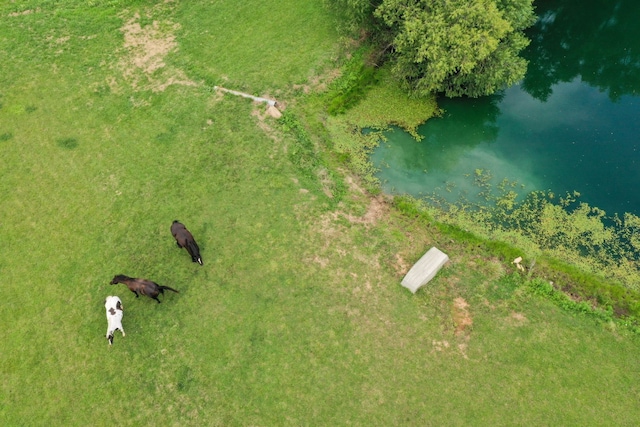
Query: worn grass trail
{"x": 297, "y": 316}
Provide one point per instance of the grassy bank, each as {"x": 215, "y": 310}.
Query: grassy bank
{"x": 109, "y": 130}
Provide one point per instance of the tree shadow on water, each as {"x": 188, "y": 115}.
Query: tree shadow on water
{"x": 600, "y": 42}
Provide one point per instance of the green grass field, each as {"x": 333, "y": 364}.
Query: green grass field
{"x": 110, "y": 130}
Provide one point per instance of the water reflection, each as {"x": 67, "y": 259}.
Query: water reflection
{"x": 594, "y": 40}
{"x": 576, "y": 140}
{"x": 465, "y": 138}
{"x": 573, "y": 124}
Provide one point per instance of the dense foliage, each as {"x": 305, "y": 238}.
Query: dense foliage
{"x": 456, "y": 47}
{"x": 356, "y": 79}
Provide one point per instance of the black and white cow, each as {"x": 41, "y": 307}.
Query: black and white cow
{"x": 113, "y": 305}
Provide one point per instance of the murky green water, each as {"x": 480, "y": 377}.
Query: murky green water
{"x": 572, "y": 124}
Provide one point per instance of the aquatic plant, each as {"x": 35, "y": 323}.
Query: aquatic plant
{"x": 590, "y": 254}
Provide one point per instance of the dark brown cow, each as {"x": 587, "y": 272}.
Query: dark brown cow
{"x": 184, "y": 239}
{"x": 142, "y": 286}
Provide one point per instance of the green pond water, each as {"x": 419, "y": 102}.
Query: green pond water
{"x": 573, "y": 123}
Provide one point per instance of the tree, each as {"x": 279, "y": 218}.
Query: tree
{"x": 458, "y": 47}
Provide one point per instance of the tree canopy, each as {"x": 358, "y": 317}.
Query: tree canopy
{"x": 456, "y": 47}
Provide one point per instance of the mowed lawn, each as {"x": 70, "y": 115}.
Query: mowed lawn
{"x": 110, "y": 130}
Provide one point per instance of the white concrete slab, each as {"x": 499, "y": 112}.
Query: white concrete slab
{"x": 425, "y": 269}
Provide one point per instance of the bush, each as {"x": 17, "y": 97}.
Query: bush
{"x": 352, "y": 86}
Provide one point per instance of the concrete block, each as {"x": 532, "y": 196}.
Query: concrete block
{"x": 425, "y": 269}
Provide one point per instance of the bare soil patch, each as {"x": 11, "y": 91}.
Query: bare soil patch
{"x": 24, "y": 12}
{"x": 376, "y": 210}
{"x": 517, "y": 319}
{"x": 320, "y": 82}
{"x": 145, "y": 49}
{"x": 461, "y": 316}
{"x": 401, "y": 266}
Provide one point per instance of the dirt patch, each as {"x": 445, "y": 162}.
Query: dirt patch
{"x": 145, "y": 49}
{"x": 461, "y": 316}
{"x": 354, "y": 185}
{"x": 320, "y": 82}
{"x": 149, "y": 45}
{"x": 463, "y": 323}
{"x": 24, "y": 12}
{"x": 378, "y": 205}
{"x": 265, "y": 122}
{"x": 323, "y": 262}
{"x": 376, "y": 210}
{"x": 332, "y": 231}
{"x": 62, "y": 40}
{"x": 401, "y": 266}
{"x": 440, "y": 345}
{"x": 517, "y": 319}
{"x": 326, "y": 182}
{"x": 274, "y": 112}
{"x": 262, "y": 112}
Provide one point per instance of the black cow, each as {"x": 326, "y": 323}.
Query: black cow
{"x": 184, "y": 239}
